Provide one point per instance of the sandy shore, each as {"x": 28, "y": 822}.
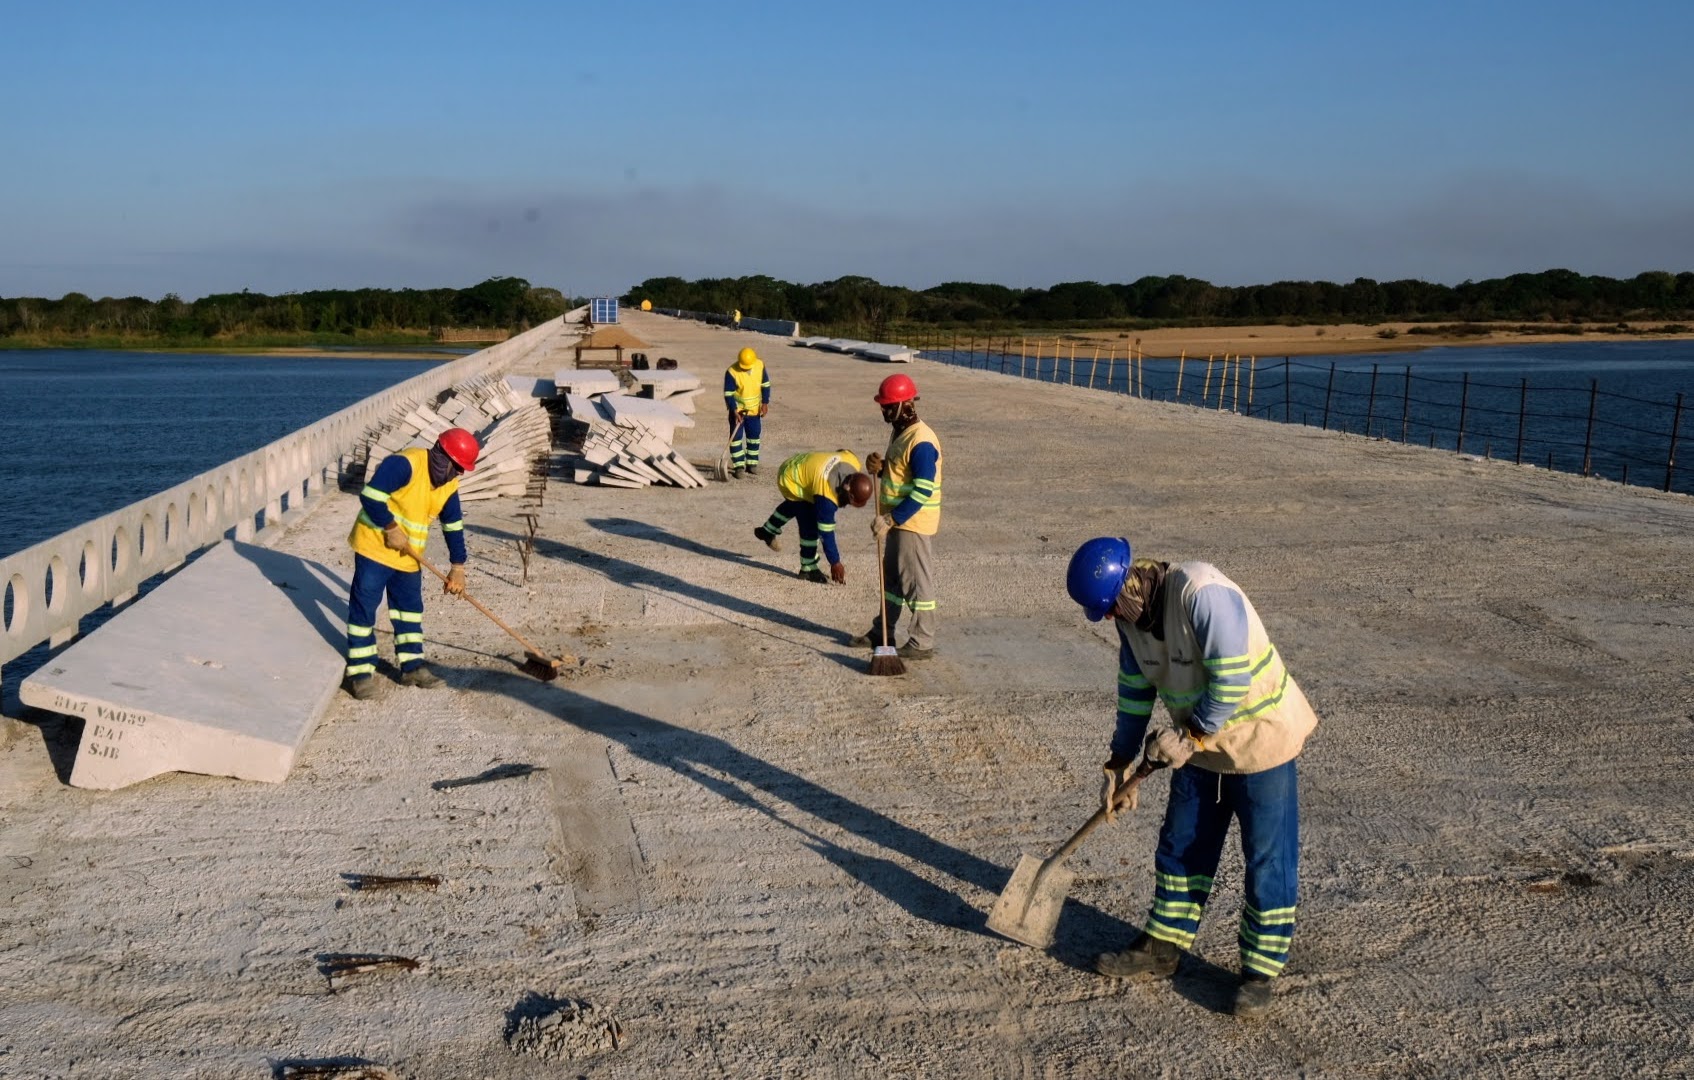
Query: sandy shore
{"x": 766, "y": 864}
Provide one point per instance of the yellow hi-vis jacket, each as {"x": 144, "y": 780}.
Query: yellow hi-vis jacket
{"x": 750, "y": 384}
{"x": 1269, "y": 724}
{"x": 413, "y": 506}
{"x": 898, "y": 482}
{"x": 805, "y": 477}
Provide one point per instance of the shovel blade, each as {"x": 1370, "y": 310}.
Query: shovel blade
{"x": 1029, "y": 906}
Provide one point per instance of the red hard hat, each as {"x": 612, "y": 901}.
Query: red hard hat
{"x": 895, "y": 389}
{"x": 461, "y": 446}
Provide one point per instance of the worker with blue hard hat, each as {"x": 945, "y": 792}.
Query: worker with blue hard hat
{"x": 1236, "y": 721}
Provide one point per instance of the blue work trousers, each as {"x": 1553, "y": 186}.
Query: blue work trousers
{"x": 371, "y": 580}
{"x": 744, "y": 445}
{"x": 805, "y": 517}
{"x": 1196, "y": 823}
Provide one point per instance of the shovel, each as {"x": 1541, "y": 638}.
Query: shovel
{"x": 1028, "y": 908}
{"x": 536, "y": 663}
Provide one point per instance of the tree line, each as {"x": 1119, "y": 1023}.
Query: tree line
{"x": 500, "y": 303}
{"x": 1553, "y": 295}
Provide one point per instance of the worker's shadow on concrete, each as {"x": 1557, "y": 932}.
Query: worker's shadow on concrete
{"x": 316, "y": 591}
{"x": 635, "y": 575}
{"x": 640, "y": 530}
{"x": 740, "y": 777}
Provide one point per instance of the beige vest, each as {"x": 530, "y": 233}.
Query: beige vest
{"x": 1270, "y": 725}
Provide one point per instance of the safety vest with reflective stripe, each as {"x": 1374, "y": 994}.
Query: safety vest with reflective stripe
{"x": 745, "y": 390}
{"x": 898, "y": 482}
{"x": 805, "y": 477}
{"x": 1270, "y": 722}
{"x": 414, "y": 506}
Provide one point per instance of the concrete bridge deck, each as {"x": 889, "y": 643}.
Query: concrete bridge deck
{"x": 765, "y": 863}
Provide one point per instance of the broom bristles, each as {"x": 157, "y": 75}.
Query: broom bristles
{"x": 886, "y": 661}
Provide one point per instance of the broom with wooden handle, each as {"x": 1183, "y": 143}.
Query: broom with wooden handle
{"x": 886, "y": 660}
{"x": 720, "y": 468}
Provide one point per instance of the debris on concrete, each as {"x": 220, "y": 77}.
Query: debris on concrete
{"x": 372, "y": 882}
{"x": 338, "y": 967}
{"x": 509, "y": 771}
{"x": 561, "y": 1029}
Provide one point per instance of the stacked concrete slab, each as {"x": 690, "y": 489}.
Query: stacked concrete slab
{"x": 512, "y": 426}
{"x": 675, "y": 387}
{"x": 627, "y": 442}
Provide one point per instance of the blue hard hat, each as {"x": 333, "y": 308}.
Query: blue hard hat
{"x": 1097, "y": 573}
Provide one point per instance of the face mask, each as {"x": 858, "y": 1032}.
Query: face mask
{"x": 441, "y": 467}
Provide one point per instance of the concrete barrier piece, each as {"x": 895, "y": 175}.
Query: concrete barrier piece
{"x": 224, "y": 669}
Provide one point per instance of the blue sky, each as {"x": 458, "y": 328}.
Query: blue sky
{"x": 200, "y": 147}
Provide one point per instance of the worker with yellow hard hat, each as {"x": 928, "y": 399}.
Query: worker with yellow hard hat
{"x": 747, "y": 396}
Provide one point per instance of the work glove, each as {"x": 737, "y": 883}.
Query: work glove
{"x": 455, "y": 583}
{"x": 1117, "y": 772}
{"x": 873, "y": 464}
{"x": 395, "y": 537}
{"x": 838, "y": 573}
{"x": 880, "y": 525}
{"x": 1167, "y": 747}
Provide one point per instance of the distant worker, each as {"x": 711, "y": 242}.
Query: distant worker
{"x": 908, "y": 515}
{"x": 1236, "y": 722}
{"x": 747, "y": 396}
{"x": 407, "y": 491}
{"x": 735, "y": 320}
{"x": 813, "y": 487}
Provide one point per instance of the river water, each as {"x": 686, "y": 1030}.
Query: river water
{"x": 1623, "y": 410}
{"x": 87, "y": 432}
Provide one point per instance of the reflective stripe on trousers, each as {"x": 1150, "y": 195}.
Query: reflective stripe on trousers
{"x": 404, "y": 589}
{"x": 1191, "y": 842}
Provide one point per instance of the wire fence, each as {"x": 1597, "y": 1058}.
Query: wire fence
{"x": 1595, "y": 427}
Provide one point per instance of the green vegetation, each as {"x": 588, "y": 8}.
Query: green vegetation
{"x": 861, "y": 305}
{"x": 254, "y": 320}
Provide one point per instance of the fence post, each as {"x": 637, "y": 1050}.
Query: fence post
{"x": 1327, "y": 391}
{"x": 1675, "y": 425}
{"x": 1287, "y": 397}
{"x": 1588, "y": 436}
{"x": 1464, "y": 403}
{"x": 1206, "y": 387}
{"x": 1523, "y": 407}
{"x": 1252, "y": 381}
{"x": 1181, "y": 357}
{"x": 1370, "y": 405}
{"x": 1406, "y": 406}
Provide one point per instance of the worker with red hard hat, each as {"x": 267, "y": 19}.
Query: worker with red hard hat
{"x": 407, "y": 491}
{"x": 907, "y": 519}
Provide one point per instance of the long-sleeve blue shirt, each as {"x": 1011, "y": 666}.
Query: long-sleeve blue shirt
{"x": 394, "y": 473}
{"x": 924, "y": 458}
{"x": 1219, "y": 616}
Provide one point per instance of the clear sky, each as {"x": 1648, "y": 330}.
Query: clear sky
{"x": 210, "y": 147}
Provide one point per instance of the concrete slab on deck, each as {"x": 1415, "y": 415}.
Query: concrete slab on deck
{"x": 223, "y": 669}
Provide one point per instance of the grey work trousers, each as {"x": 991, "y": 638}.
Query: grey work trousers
{"x": 909, "y": 585}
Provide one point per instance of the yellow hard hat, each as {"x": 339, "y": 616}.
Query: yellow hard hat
{"x": 646, "y": 305}
{"x": 746, "y": 358}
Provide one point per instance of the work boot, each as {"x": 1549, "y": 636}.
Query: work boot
{"x": 422, "y": 677}
{"x": 735, "y": 473}
{"x": 362, "y": 688}
{"x": 1145, "y": 956}
{"x": 767, "y": 538}
{"x": 815, "y": 575}
{"x": 866, "y": 638}
{"x": 752, "y": 470}
{"x": 908, "y": 651}
{"x": 1253, "y": 996}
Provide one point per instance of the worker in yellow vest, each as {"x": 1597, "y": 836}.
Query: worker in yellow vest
{"x": 408, "y": 491}
{"x": 908, "y": 516}
{"x": 747, "y": 396}
{"x": 813, "y": 487}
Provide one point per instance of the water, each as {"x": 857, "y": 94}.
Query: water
{"x": 1604, "y": 408}
{"x": 87, "y": 432}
